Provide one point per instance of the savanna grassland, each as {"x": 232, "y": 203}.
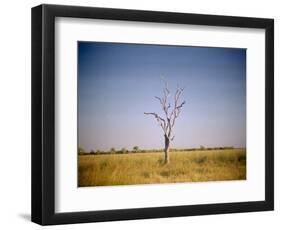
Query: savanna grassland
{"x": 148, "y": 168}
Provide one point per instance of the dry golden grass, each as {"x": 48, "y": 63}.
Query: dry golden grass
{"x": 147, "y": 168}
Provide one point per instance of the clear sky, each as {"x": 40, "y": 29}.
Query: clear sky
{"x": 117, "y": 83}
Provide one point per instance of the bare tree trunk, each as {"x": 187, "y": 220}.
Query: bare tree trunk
{"x": 167, "y": 146}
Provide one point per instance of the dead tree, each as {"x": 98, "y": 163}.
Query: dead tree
{"x": 171, "y": 112}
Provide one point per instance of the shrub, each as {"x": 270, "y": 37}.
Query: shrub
{"x": 124, "y": 150}
{"x": 98, "y": 152}
{"x": 112, "y": 150}
{"x": 135, "y": 149}
{"x": 92, "y": 152}
{"x": 202, "y": 147}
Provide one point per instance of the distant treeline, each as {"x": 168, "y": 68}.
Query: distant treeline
{"x": 136, "y": 149}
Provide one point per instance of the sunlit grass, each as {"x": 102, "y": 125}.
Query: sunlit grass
{"x": 148, "y": 168}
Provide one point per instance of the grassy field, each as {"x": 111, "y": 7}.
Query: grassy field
{"x": 147, "y": 168}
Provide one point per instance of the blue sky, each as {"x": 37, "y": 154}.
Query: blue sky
{"x": 117, "y": 83}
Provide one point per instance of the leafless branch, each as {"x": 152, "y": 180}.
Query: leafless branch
{"x": 177, "y": 106}
{"x": 168, "y": 123}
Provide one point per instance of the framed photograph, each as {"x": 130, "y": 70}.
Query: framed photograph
{"x": 142, "y": 114}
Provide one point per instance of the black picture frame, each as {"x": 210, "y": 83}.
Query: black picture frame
{"x": 43, "y": 114}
